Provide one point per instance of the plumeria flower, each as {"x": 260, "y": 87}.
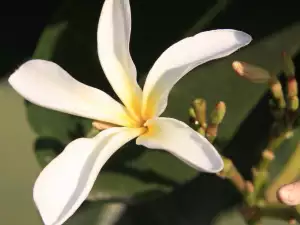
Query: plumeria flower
{"x": 67, "y": 180}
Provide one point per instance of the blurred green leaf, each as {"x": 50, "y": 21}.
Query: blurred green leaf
{"x": 46, "y": 149}
{"x": 55, "y": 124}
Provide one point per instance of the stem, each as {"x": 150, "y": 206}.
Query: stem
{"x": 261, "y": 175}
{"x": 276, "y": 142}
{"x": 252, "y": 215}
{"x": 276, "y": 90}
{"x": 249, "y": 194}
{"x": 230, "y": 172}
{"x": 198, "y": 112}
{"x": 267, "y": 158}
{"x": 211, "y": 132}
{"x": 199, "y": 106}
{"x": 259, "y": 182}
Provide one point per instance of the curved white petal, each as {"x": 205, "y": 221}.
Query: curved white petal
{"x": 66, "y": 182}
{"x": 181, "y": 58}
{"x": 46, "y": 84}
{"x": 182, "y": 141}
{"x": 113, "y": 49}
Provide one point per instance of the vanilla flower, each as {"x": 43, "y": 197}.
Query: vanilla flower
{"x": 67, "y": 180}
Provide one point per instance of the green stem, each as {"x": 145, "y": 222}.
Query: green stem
{"x": 267, "y": 158}
{"x": 261, "y": 176}
{"x": 253, "y": 215}
{"x": 276, "y": 142}
{"x": 211, "y": 132}
{"x": 259, "y": 182}
{"x": 231, "y": 173}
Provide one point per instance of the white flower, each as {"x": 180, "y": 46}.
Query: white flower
{"x": 65, "y": 183}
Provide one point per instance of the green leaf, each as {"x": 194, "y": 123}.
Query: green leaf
{"x": 46, "y": 149}
{"x": 55, "y": 124}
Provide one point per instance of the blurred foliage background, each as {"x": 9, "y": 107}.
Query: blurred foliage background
{"x": 65, "y": 32}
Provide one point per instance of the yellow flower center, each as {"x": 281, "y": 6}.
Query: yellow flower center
{"x": 135, "y": 118}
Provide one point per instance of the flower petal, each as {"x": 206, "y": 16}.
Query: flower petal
{"x": 113, "y": 49}
{"x": 182, "y": 141}
{"x": 66, "y": 182}
{"x": 181, "y": 58}
{"x": 46, "y": 84}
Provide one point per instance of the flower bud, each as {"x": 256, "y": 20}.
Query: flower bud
{"x": 277, "y": 93}
{"x": 294, "y": 103}
{"x": 211, "y": 132}
{"x": 201, "y": 131}
{"x": 192, "y": 113}
{"x": 100, "y": 125}
{"x": 250, "y": 72}
{"x": 292, "y": 87}
{"x": 199, "y": 106}
{"x": 218, "y": 113}
{"x": 276, "y": 90}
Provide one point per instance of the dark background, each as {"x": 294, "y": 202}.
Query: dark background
{"x": 21, "y": 22}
